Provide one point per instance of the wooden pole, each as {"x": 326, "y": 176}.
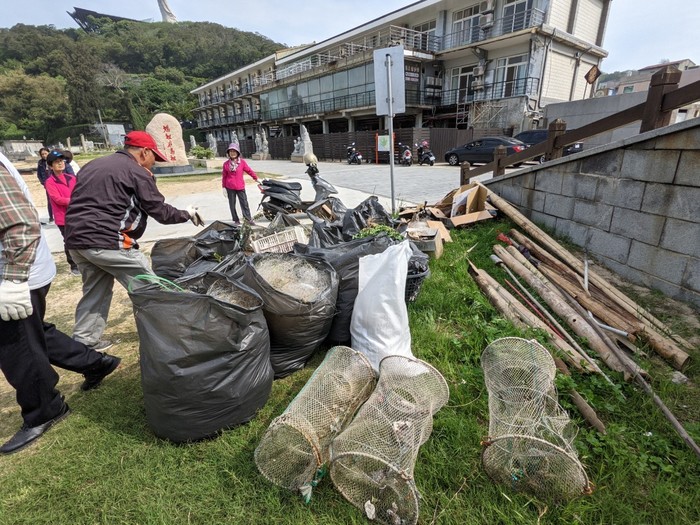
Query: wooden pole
{"x": 663, "y": 346}
{"x": 515, "y": 312}
{"x": 555, "y": 248}
{"x": 554, "y": 299}
{"x": 663, "y": 81}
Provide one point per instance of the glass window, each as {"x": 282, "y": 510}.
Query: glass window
{"x": 511, "y": 76}
{"x": 356, "y": 76}
{"x": 340, "y": 80}
{"x": 465, "y": 25}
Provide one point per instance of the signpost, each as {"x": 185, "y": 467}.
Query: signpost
{"x": 390, "y": 95}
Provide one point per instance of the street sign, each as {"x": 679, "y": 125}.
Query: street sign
{"x": 389, "y": 81}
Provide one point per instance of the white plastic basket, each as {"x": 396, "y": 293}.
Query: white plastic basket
{"x": 281, "y": 242}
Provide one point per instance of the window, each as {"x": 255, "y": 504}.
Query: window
{"x": 628, "y": 89}
{"x": 461, "y": 83}
{"x": 511, "y": 76}
{"x": 428, "y": 30}
{"x": 516, "y": 15}
{"x": 465, "y": 25}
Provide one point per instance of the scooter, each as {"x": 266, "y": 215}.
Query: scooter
{"x": 425, "y": 156}
{"x": 405, "y": 155}
{"x": 353, "y": 156}
{"x": 285, "y": 197}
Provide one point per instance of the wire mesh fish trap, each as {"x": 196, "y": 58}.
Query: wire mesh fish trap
{"x": 373, "y": 459}
{"x": 531, "y": 438}
{"x": 295, "y": 445}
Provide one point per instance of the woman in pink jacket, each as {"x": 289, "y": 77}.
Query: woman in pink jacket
{"x": 59, "y": 186}
{"x": 233, "y": 183}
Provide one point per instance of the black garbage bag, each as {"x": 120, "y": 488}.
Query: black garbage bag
{"x": 201, "y": 265}
{"x": 368, "y": 213}
{"x": 205, "y": 362}
{"x": 171, "y": 257}
{"x": 345, "y": 260}
{"x": 217, "y": 240}
{"x": 327, "y": 230}
{"x": 299, "y": 295}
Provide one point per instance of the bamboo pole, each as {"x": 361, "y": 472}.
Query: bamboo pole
{"x": 554, "y": 247}
{"x": 561, "y": 331}
{"x": 557, "y": 302}
{"x": 584, "y": 408}
{"x": 678, "y": 427}
{"x": 515, "y": 312}
{"x": 663, "y": 346}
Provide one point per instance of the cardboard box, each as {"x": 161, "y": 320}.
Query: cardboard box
{"x": 467, "y": 205}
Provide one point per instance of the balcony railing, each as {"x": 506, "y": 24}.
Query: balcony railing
{"x": 426, "y": 97}
{"x": 412, "y": 40}
{"x": 496, "y": 90}
{"x": 495, "y": 28}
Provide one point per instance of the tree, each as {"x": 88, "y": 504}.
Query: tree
{"x": 34, "y": 105}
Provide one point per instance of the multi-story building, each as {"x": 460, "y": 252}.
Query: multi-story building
{"x": 468, "y": 63}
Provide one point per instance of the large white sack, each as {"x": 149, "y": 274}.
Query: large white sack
{"x": 379, "y": 325}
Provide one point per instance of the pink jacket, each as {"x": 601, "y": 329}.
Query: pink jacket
{"x": 59, "y": 188}
{"x": 233, "y": 179}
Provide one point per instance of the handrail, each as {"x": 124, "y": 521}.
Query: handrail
{"x": 663, "y": 88}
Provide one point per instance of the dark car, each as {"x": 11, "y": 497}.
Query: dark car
{"x": 535, "y": 136}
{"x": 482, "y": 150}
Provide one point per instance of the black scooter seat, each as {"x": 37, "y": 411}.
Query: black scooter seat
{"x": 293, "y": 186}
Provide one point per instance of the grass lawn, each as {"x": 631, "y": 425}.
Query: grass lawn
{"x": 103, "y": 465}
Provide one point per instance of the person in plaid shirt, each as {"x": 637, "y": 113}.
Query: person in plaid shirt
{"x": 29, "y": 345}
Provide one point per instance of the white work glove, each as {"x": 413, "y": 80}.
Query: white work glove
{"x": 225, "y": 193}
{"x": 15, "y": 301}
{"x": 195, "y": 217}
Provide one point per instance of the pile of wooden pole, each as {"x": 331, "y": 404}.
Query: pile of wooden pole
{"x": 590, "y": 306}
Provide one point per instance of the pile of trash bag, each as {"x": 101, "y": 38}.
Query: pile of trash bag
{"x": 210, "y": 369}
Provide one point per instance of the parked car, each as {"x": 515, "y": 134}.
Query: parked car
{"x": 482, "y": 150}
{"x": 535, "y": 136}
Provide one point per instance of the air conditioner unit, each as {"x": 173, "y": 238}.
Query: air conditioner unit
{"x": 486, "y": 21}
{"x": 477, "y": 85}
{"x": 486, "y": 6}
{"x": 478, "y": 71}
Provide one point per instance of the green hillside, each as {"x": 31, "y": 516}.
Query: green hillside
{"x": 53, "y": 81}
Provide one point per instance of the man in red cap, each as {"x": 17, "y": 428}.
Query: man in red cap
{"x": 107, "y": 214}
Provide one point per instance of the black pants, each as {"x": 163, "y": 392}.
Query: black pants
{"x": 73, "y": 266}
{"x": 243, "y": 199}
{"x": 48, "y": 205}
{"x": 28, "y": 348}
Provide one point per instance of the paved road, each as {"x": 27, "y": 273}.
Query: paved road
{"x": 414, "y": 184}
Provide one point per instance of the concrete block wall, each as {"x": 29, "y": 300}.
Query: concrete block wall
{"x": 633, "y": 204}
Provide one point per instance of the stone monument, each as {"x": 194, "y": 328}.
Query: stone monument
{"x": 211, "y": 142}
{"x": 193, "y": 142}
{"x": 167, "y": 132}
{"x": 265, "y": 145}
{"x": 261, "y": 151}
{"x": 302, "y": 145}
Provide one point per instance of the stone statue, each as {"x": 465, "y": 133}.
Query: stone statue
{"x": 193, "y": 142}
{"x": 211, "y": 142}
{"x": 297, "y": 146}
{"x": 258, "y": 143}
{"x": 306, "y": 145}
{"x": 265, "y": 145}
{"x": 234, "y": 137}
{"x": 166, "y": 12}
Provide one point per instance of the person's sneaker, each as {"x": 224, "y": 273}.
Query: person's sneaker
{"x": 236, "y": 223}
{"x": 94, "y": 377}
{"x": 251, "y": 222}
{"x": 74, "y": 271}
{"x": 26, "y": 435}
{"x": 101, "y": 345}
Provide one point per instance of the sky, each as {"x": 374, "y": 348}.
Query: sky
{"x": 639, "y": 32}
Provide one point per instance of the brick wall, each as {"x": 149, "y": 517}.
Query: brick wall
{"x": 633, "y": 204}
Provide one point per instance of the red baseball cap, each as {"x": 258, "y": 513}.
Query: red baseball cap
{"x": 141, "y": 139}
